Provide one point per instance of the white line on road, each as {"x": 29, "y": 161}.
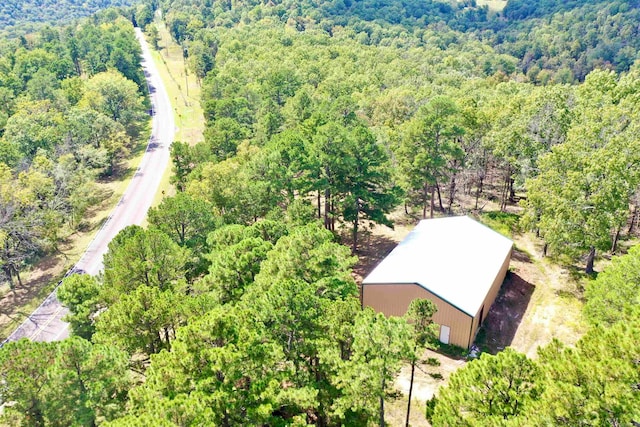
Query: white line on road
{"x": 49, "y": 320}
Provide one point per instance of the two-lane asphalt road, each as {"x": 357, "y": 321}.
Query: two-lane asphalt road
{"x": 45, "y": 323}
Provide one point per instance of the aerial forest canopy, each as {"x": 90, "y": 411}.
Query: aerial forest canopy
{"x": 237, "y": 303}
{"x": 365, "y": 115}
{"x": 554, "y": 40}
{"x": 19, "y": 16}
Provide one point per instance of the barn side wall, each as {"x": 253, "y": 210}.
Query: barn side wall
{"x": 394, "y": 300}
{"x": 491, "y": 297}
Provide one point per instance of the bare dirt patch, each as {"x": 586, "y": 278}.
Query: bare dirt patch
{"x": 376, "y": 243}
{"x": 375, "y": 250}
{"x": 427, "y": 380}
{"x": 555, "y": 306}
{"x": 506, "y": 314}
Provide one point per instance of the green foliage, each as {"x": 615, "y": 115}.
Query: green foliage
{"x": 113, "y": 95}
{"x": 187, "y": 221}
{"x": 581, "y": 196}
{"x": 23, "y": 367}
{"x": 592, "y": 37}
{"x": 489, "y": 390}
{"x": 596, "y": 382}
{"x": 379, "y": 346}
{"x": 428, "y": 149}
{"x": 432, "y": 361}
{"x": 72, "y": 382}
{"x": 504, "y": 223}
{"x": 88, "y": 384}
{"x": 430, "y": 406}
{"x": 615, "y": 295}
{"x": 593, "y": 383}
{"x": 183, "y": 160}
{"x": 309, "y": 254}
{"x": 143, "y": 257}
{"x": 143, "y": 320}
{"x": 236, "y": 305}
{"x": 62, "y": 127}
{"x": 81, "y": 294}
{"x": 234, "y": 267}
{"x": 420, "y": 316}
{"x": 16, "y": 13}
{"x": 36, "y": 126}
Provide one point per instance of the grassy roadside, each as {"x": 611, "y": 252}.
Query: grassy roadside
{"x": 184, "y": 93}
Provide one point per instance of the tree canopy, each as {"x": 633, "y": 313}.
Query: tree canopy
{"x": 237, "y": 304}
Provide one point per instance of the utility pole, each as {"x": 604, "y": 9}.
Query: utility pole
{"x": 185, "y": 53}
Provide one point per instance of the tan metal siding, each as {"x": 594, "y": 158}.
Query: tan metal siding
{"x": 491, "y": 295}
{"x": 394, "y": 300}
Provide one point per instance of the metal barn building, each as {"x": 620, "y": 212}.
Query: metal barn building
{"x": 456, "y": 262}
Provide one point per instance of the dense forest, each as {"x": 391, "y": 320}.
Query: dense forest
{"x": 554, "y": 41}
{"x": 18, "y": 16}
{"x": 237, "y": 304}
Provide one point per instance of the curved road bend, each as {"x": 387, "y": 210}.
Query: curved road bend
{"x": 45, "y": 323}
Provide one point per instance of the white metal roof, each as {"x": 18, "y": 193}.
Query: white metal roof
{"x": 455, "y": 258}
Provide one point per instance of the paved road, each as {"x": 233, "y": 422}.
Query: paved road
{"x": 45, "y": 323}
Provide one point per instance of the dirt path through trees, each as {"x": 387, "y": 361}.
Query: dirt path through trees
{"x": 555, "y": 308}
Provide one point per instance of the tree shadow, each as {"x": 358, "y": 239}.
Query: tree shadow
{"x": 36, "y": 285}
{"x": 24, "y": 294}
{"x": 520, "y": 256}
{"x": 372, "y": 249}
{"x": 505, "y": 315}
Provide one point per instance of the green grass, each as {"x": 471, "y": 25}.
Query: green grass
{"x": 504, "y": 223}
{"x": 493, "y": 5}
{"x": 450, "y": 350}
{"x": 183, "y": 89}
